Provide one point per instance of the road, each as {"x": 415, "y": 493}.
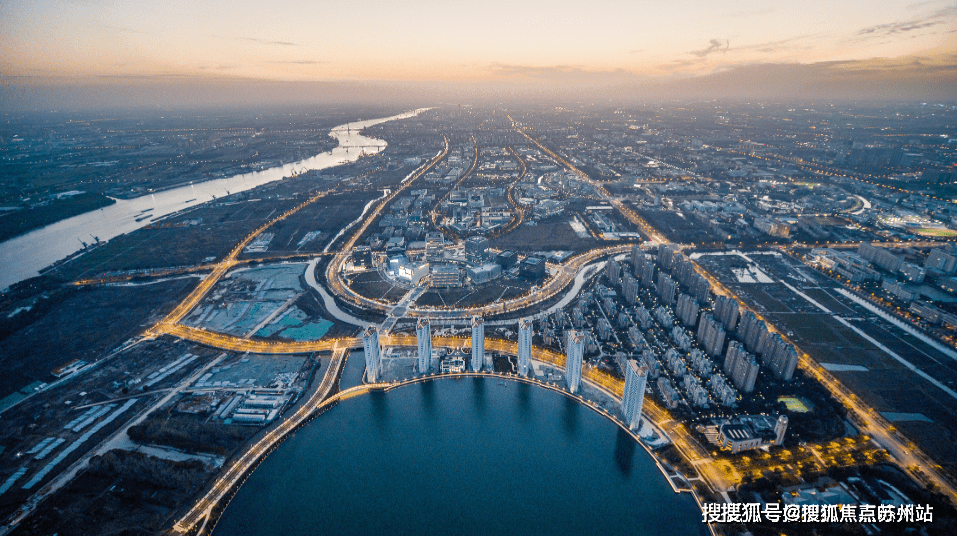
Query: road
{"x": 334, "y": 270}
{"x": 108, "y": 444}
{"x": 918, "y": 464}
{"x": 645, "y": 227}
{"x": 238, "y": 469}
{"x": 219, "y": 271}
{"x": 567, "y": 274}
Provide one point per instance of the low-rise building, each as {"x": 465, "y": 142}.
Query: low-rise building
{"x": 484, "y": 273}
{"x": 746, "y": 432}
{"x": 445, "y": 276}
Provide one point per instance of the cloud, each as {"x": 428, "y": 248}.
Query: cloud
{"x": 298, "y": 62}
{"x": 558, "y": 73}
{"x": 800, "y": 42}
{"x": 679, "y": 64}
{"x": 221, "y": 67}
{"x": 259, "y": 41}
{"x": 147, "y": 77}
{"x": 904, "y": 78}
{"x": 713, "y": 46}
{"x": 898, "y": 27}
{"x": 636, "y": 51}
{"x": 901, "y": 27}
{"x": 265, "y": 42}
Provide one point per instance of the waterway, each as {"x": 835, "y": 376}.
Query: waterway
{"x": 23, "y": 257}
{"x": 466, "y": 456}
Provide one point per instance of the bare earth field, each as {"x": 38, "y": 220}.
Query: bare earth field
{"x": 84, "y": 325}
{"x": 924, "y": 412}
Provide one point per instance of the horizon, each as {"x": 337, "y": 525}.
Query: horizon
{"x": 90, "y": 55}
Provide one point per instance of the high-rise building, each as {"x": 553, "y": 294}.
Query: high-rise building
{"x": 666, "y": 288}
{"x": 476, "y": 249}
{"x": 613, "y": 271}
{"x": 574, "y": 354}
{"x": 687, "y": 309}
{"x": 634, "y": 393}
{"x": 745, "y": 373}
{"x": 636, "y": 255}
{"x": 764, "y": 341}
{"x": 644, "y": 268}
{"x": 779, "y": 357}
{"x": 752, "y": 332}
{"x": 423, "y": 336}
{"x": 370, "y": 344}
{"x": 710, "y": 334}
{"x": 524, "y": 346}
{"x": 726, "y": 310}
{"x": 700, "y": 287}
{"x": 629, "y": 288}
{"x": 683, "y": 269}
{"x": 478, "y": 343}
{"x": 666, "y": 254}
{"x": 741, "y": 367}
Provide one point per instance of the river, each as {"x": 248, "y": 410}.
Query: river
{"x": 23, "y": 257}
{"x": 467, "y": 456}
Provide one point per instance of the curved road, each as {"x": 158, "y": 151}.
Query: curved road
{"x": 219, "y": 493}
{"x": 573, "y": 270}
{"x": 569, "y": 272}
{"x": 257, "y": 451}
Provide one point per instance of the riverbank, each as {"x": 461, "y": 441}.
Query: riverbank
{"x": 23, "y": 257}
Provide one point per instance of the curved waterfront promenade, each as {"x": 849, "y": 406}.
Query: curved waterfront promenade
{"x": 254, "y": 454}
{"x": 221, "y": 492}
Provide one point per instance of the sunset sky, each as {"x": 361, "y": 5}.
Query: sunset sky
{"x": 89, "y": 42}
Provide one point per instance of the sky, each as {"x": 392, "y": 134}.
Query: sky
{"x": 183, "y": 50}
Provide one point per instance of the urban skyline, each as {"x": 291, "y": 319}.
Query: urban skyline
{"x": 542, "y": 267}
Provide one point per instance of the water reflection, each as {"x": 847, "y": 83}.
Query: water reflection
{"x": 478, "y": 395}
{"x": 428, "y": 398}
{"x": 571, "y": 417}
{"x": 524, "y": 399}
{"x": 624, "y": 451}
{"x": 452, "y": 471}
{"x": 379, "y": 408}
